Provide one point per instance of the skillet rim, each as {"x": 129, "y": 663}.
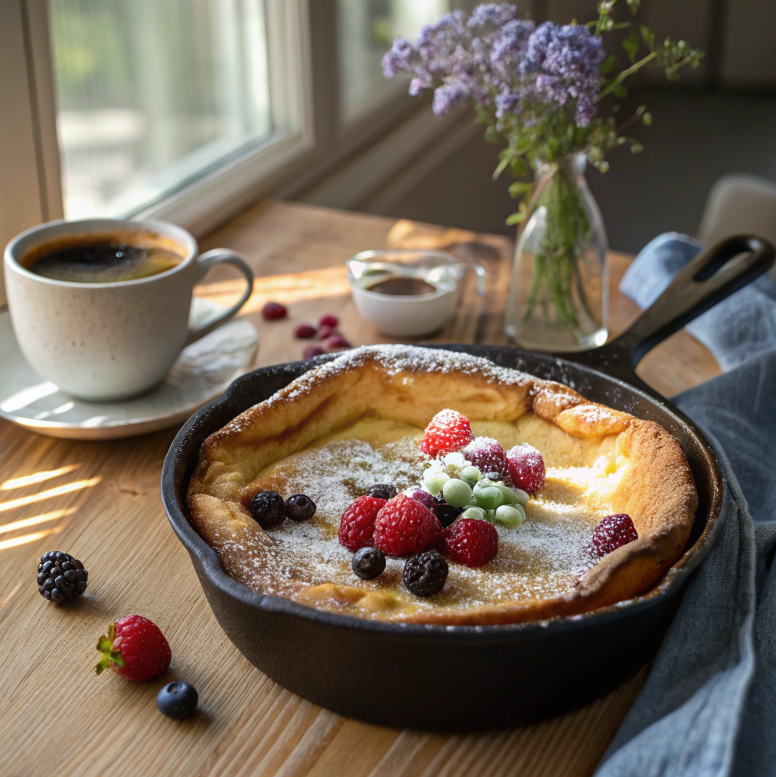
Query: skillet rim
{"x": 177, "y": 472}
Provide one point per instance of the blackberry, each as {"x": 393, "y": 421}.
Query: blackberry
{"x": 425, "y": 574}
{"x": 382, "y": 491}
{"x": 61, "y": 578}
{"x": 445, "y": 512}
{"x": 177, "y": 700}
{"x": 368, "y": 563}
{"x": 300, "y": 507}
{"x": 268, "y": 508}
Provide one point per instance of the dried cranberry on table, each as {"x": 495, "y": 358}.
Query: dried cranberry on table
{"x": 273, "y": 311}
{"x": 304, "y": 331}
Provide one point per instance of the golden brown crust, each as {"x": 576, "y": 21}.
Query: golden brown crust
{"x": 410, "y": 385}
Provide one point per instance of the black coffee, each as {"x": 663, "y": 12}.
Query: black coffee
{"x": 98, "y": 259}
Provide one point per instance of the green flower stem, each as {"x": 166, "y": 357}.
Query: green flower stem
{"x": 615, "y": 82}
{"x": 566, "y": 233}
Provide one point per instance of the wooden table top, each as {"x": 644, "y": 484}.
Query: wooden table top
{"x": 100, "y": 501}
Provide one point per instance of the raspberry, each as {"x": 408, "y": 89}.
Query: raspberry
{"x": 404, "y": 526}
{"x": 304, "y": 331}
{"x": 612, "y": 532}
{"x": 324, "y": 331}
{"x": 470, "y": 541}
{"x": 488, "y": 456}
{"x": 329, "y": 320}
{"x": 448, "y": 431}
{"x": 135, "y": 649}
{"x": 526, "y": 467}
{"x": 312, "y": 351}
{"x": 273, "y": 310}
{"x": 358, "y": 522}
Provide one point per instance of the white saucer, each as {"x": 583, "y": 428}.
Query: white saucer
{"x": 203, "y": 371}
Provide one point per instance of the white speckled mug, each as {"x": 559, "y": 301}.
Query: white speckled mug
{"x": 109, "y": 341}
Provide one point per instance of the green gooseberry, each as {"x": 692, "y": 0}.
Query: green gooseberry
{"x": 510, "y": 516}
{"x": 510, "y": 497}
{"x": 522, "y": 497}
{"x": 470, "y": 475}
{"x": 474, "y": 512}
{"x": 435, "y": 482}
{"x": 457, "y": 493}
{"x": 484, "y": 483}
{"x": 489, "y": 498}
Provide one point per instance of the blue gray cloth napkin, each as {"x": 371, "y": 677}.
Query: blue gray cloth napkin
{"x": 742, "y": 326}
{"x": 708, "y": 706}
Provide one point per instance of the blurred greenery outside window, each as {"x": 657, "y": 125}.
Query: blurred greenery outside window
{"x": 152, "y": 94}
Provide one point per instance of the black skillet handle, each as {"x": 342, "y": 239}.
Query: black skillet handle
{"x": 716, "y": 273}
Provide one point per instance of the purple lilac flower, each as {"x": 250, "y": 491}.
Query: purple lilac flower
{"x": 506, "y": 55}
{"x": 398, "y": 59}
{"x": 419, "y": 84}
{"x": 448, "y": 96}
{"x": 509, "y": 47}
{"x": 438, "y": 44}
{"x": 565, "y": 62}
{"x": 494, "y": 59}
{"x": 492, "y": 14}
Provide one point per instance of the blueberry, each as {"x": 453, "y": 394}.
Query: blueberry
{"x": 300, "y": 507}
{"x": 177, "y": 700}
{"x": 382, "y": 491}
{"x": 268, "y": 508}
{"x": 368, "y": 563}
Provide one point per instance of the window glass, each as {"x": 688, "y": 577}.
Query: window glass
{"x": 366, "y": 30}
{"x": 151, "y": 94}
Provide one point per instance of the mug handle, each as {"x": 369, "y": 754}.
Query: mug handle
{"x": 479, "y": 272}
{"x": 204, "y": 263}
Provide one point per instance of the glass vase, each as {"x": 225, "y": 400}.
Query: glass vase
{"x": 559, "y": 294}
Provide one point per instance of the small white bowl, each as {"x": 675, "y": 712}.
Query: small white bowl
{"x": 411, "y": 315}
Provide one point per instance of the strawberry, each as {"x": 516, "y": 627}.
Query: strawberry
{"x": 404, "y": 526}
{"x": 526, "y": 468}
{"x": 470, "y": 541}
{"x": 448, "y": 431}
{"x": 358, "y": 522}
{"x": 135, "y": 649}
{"x": 612, "y": 532}
{"x": 487, "y": 455}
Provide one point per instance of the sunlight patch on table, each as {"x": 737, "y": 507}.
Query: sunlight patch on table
{"x": 26, "y": 538}
{"x": 25, "y": 523}
{"x": 51, "y": 492}
{"x": 37, "y": 477}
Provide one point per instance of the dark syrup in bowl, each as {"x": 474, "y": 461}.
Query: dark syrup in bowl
{"x": 403, "y": 286}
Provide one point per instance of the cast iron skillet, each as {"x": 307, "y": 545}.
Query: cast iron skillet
{"x": 467, "y": 678}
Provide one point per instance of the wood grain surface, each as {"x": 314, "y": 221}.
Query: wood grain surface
{"x": 100, "y": 502}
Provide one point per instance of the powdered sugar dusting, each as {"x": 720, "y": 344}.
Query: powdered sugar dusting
{"x": 544, "y": 558}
